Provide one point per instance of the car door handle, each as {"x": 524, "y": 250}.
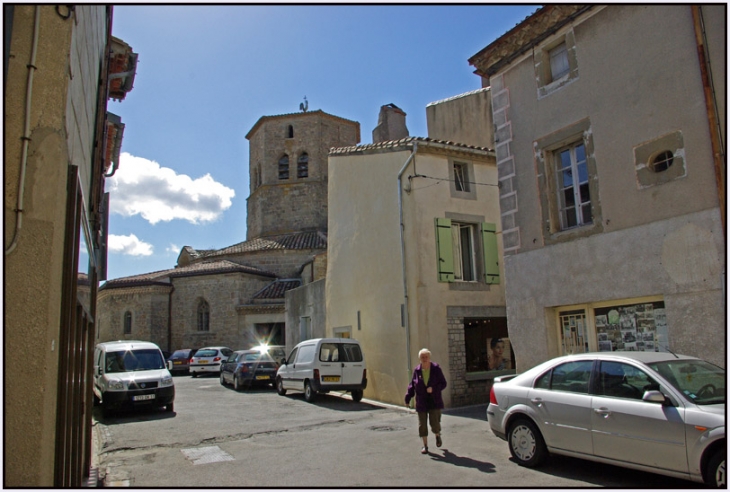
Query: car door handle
{"x": 537, "y": 402}
{"x": 603, "y": 411}
{"x": 343, "y": 364}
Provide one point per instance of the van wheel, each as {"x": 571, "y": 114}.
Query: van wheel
{"x": 170, "y": 407}
{"x": 356, "y": 395}
{"x": 194, "y": 374}
{"x": 237, "y": 384}
{"x": 280, "y": 386}
{"x": 309, "y": 394}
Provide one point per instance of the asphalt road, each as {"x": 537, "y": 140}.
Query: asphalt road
{"x": 218, "y": 437}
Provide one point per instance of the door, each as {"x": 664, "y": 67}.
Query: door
{"x": 303, "y": 366}
{"x": 562, "y": 402}
{"x": 353, "y": 363}
{"x": 286, "y": 372}
{"x": 330, "y": 362}
{"x": 627, "y": 428}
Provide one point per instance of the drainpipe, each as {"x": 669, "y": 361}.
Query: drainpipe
{"x": 26, "y": 132}
{"x": 403, "y": 256}
{"x": 711, "y": 104}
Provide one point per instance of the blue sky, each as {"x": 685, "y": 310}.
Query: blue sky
{"x": 206, "y": 74}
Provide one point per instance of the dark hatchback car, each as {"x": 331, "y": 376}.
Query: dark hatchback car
{"x": 245, "y": 368}
{"x": 181, "y": 360}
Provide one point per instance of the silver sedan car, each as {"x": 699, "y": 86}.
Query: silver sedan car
{"x": 650, "y": 411}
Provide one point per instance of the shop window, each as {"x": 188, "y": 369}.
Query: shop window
{"x": 636, "y": 327}
{"x": 203, "y": 316}
{"x": 284, "y": 167}
{"x": 127, "y": 323}
{"x": 303, "y": 166}
{"x": 573, "y": 332}
{"x": 487, "y": 345}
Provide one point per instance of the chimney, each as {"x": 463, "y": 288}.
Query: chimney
{"x": 391, "y": 124}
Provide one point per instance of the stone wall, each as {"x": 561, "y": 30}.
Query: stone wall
{"x": 305, "y": 302}
{"x": 463, "y": 392}
{"x": 148, "y": 306}
{"x": 283, "y": 263}
{"x": 287, "y": 207}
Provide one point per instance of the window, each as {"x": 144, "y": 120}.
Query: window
{"x": 574, "y": 195}
{"x": 303, "y": 166}
{"x": 203, "y": 316}
{"x": 559, "y": 65}
{"x": 461, "y": 177}
{"x": 660, "y": 160}
{"x": 619, "y": 380}
{"x": 487, "y": 345}
{"x": 284, "y": 167}
{"x": 573, "y": 332}
{"x": 127, "y": 323}
{"x": 458, "y": 247}
{"x": 289, "y": 131}
{"x": 572, "y": 376}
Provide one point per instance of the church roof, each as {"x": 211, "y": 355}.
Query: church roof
{"x": 407, "y": 143}
{"x": 295, "y": 240}
{"x": 318, "y": 112}
{"x": 152, "y": 278}
{"x": 219, "y": 266}
{"x": 276, "y": 289}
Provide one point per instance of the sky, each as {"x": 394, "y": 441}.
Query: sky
{"x": 206, "y": 74}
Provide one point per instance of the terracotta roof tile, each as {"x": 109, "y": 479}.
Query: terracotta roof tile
{"x": 213, "y": 267}
{"x": 293, "y": 241}
{"x": 406, "y": 143}
{"x": 276, "y": 289}
{"x": 151, "y": 278}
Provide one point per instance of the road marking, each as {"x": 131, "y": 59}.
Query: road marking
{"x": 210, "y": 454}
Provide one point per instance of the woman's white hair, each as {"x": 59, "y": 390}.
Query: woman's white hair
{"x": 424, "y": 351}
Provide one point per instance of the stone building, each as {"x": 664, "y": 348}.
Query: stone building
{"x": 62, "y": 64}
{"x": 611, "y": 170}
{"x": 235, "y": 296}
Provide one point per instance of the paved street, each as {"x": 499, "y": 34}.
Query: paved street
{"x": 218, "y": 437}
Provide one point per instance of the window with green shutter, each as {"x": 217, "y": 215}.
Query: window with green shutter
{"x": 491, "y": 254}
{"x": 444, "y": 250}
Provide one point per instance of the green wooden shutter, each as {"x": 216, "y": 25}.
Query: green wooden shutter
{"x": 491, "y": 254}
{"x": 444, "y": 250}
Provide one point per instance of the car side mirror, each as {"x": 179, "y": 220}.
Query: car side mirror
{"x": 98, "y": 370}
{"x": 654, "y": 396}
{"x": 283, "y": 362}
{"x": 169, "y": 365}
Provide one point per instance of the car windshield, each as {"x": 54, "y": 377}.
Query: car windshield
{"x": 134, "y": 360}
{"x": 700, "y": 382}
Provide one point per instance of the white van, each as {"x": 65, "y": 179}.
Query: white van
{"x": 322, "y": 365}
{"x": 131, "y": 374}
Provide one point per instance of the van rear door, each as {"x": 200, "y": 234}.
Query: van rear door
{"x": 353, "y": 363}
{"x": 330, "y": 365}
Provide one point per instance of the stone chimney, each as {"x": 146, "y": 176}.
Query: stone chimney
{"x": 391, "y": 124}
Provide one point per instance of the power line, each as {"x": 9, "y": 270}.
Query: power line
{"x": 451, "y": 180}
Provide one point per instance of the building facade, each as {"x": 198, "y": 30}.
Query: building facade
{"x": 235, "y": 296}
{"x": 62, "y": 65}
{"x": 611, "y": 174}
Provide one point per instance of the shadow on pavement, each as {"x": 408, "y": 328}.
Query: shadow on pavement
{"x": 335, "y": 401}
{"x": 138, "y": 415}
{"x": 476, "y": 412}
{"x": 453, "y": 459}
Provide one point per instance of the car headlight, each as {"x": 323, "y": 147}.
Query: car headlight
{"x": 116, "y": 385}
{"x": 166, "y": 381}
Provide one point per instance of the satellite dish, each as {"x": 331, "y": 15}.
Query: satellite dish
{"x": 304, "y": 106}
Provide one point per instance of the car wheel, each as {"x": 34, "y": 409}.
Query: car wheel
{"x": 237, "y": 383}
{"x": 715, "y": 472}
{"x": 309, "y": 394}
{"x": 356, "y": 395}
{"x": 194, "y": 374}
{"x": 106, "y": 412}
{"x": 280, "y": 387}
{"x": 170, "y": 407}
{"x": 526, "y": 444}
{"x": 97, "y": 401}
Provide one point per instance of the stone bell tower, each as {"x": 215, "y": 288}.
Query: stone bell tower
{"x": 288, "y": 170}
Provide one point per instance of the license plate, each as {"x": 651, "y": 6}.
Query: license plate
{"x": 331, "y": 379}
{"x": 176, "y": 362}
{"x": 143, "y": 397}
{"x": 263, "y": 377}
{"x": 202, "y": 362}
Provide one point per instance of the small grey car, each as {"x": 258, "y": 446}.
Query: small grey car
{"x": 650, "y": 411}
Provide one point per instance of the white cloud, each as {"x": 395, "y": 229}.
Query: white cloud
{"x": 173, "y": 249}
{"x": 141, "y": 186}
{"x": 128, "y": 245}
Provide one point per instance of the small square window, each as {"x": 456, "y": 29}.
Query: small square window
{"x": 559, "y": 65}
{"x": 461, "y": 177}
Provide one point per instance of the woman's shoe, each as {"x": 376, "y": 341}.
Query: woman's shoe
{"x": 424, "y": 450}
{"x": 438, "y": 441}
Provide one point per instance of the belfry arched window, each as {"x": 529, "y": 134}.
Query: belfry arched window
{"x": 303, "y": 166}
{"x": 203, "y": 316}
{"x": 284, "y": 167}
{"x": 289, "y": 131}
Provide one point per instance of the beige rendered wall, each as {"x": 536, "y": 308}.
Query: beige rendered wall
{"x": 33, "y": 271}
{"x": 466, "y": 119}
{"x": 663, "y": 240}
{"x": 364, "y": 270}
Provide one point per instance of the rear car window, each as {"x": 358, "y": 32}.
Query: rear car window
{"x": 352, "y": 352}
{"x": 134, "y": 360}
{"x": 206, "y": 353}
{"x": 180, "y": 353}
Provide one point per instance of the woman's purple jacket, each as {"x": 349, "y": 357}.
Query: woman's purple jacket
{"x": 436, "y": 380}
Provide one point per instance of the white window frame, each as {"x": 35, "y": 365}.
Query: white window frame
{"x": 559, "y": 63}
{"x": 459, "y": 264}
{"x": 574, "y": 169}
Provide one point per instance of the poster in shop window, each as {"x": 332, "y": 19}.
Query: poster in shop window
{"x": 498, "y": 350}
{"x": 637, "y": 327}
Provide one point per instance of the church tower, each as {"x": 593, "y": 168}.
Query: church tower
{"x": 288, "y": 170}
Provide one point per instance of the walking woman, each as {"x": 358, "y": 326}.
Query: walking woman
{"x": 426, "y": 385}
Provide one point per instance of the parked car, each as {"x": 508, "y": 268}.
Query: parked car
{"x": 277, "y": 352}
{"x": 651, "y": 411}
{"x": 130, "y": 374}
{"x": 245, "y": 368}
{"x": 322, "y": 365}
{"x": 208, "y": 359}
{"x": 181, "y": 360}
